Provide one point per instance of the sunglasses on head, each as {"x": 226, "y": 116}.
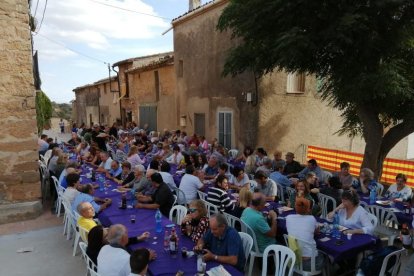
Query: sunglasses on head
{"x": 192, "y": 210}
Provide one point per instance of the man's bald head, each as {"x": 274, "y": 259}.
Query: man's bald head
{"x": 258, "y": 200}
{"x": 85, "y": 209}
{"x": 117, "y": 235}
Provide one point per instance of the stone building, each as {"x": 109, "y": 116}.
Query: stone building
{"x": 128, "y": 106}
{"x": 97, "y": 103}
{"x": 278, "y": 111}
{"x": 152, "y": 94}
{"x": 19, "y": 175}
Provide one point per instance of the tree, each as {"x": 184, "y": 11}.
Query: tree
{"x": 43, "y": 110}
{"x": 361, "y": 51}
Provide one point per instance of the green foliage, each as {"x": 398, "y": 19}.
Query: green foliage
{"x": 362, "y": 50}
{"x": 62, "y": 110}
{"x": 43, "y": 110}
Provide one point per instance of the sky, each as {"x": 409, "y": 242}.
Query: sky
{"x": 77, "y": 37}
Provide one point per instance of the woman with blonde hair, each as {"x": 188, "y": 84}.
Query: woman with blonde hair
{"x": 133, "y": 157}
{"x": 196, "y": 222}
{"x": 245, "y": 197}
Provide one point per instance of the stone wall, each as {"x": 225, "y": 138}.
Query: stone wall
{"x": 19, "y": 176}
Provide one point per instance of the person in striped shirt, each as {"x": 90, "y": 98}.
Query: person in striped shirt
{"x": 218, "y": 195}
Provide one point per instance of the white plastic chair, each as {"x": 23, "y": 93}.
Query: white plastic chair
{"x": 177, "y": 213}
{"x": 80, "y": 232}
{"x": 59, "y": 191}
{"x": 92, "y": 272}
{"x": 202, "y": 195}
{"x": 373, "y": 219}
{"x": 324, "y": 201}
{"x": 393, "y": 271}
{"x": 181, "y": 199}
{"x": 233, "y": 153}
{"x": 283, "y": 257}
{"x": 247, "y": 242}
{"x": 89, "y": 263}
{"x": 231, "y": 220}
{"x": 298, "y": 268}
{"x": 280, "y": 192}
{"x": 380, "y": 189}
{"x": 387, "y": 222}
{"x": 255, "y": 252}
{"x": 211, "y": 208}
{"x": 69, "y": 220}
{"x": 45, "y": 185}
{"x": 175, "y": 200}
{"x": 290, "y": 191}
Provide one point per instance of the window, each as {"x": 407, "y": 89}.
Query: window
{"x": 200, "y": 123}
{"x": 148, "y": 115}
{"x": 295, "y": 83}
{"x": 180, "y": 68}
{"x": 157, "y": 86}
{"x": 225, "y": 120}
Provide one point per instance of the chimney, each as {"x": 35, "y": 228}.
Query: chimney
{"x": 193, "y": 4}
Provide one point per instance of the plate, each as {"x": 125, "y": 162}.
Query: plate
{"x": 383, "y": 202}
{"x": 286, "y": 209}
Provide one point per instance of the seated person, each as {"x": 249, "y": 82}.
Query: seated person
{"x": 252, "y": 216}
{"x": 113, "y": 258}
{"x": 240, "y": 179}
{"x": 333, "y": 190}
{"x": 245, "y": 199}
{"x": 399, "y": 191}
{"x": 190, "y": 184}
{"x": 223, "y": 169}
{"x": 70, "y": 168}
{"x": 281, "y": 179}
{"x": 86, "y": 211}
{"x": 292, "y": 167}
{"x": 366, "y": 182}
{"x": 222, "y": 243}
{"x": 266, "y": 166}
{"x": 166, "y": 175}
{"x": 176, "y": 157}
{"x": 162, "y": 198}
{"x": 196, "y": 222}
{"x": 115, "y": 172}
{"x": 344, "y": 176}
{"x": 211, "y": 170}
{"x": 106, "y": 162}
{"x": 219, "y": 197}
{"x": 351, "y": 215}
{"x": 265, "y": 185}
{"x": 312, "y": 167}
{"x": 304, "y": 226}
{"x": 301, "y": 191}
{"x": 277, "y": 160}
{"x": 139, "y": 261}
{"x": 120, "y": 155}
{"x": 71, "y": 191}
{"x": 96, "y": 240}
{"x": 127, "y": 175}
{"x": 86, "y": 195}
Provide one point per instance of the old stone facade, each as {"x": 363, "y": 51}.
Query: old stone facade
{"x": 152, "y": 93}
{"x": 97, "y": 103}
{"x": 277, "y": 111}
{"x": 19, "y": 176}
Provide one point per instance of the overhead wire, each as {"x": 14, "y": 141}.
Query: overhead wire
{"x": 37, "y": 4}
{"x": 43, "y": 17}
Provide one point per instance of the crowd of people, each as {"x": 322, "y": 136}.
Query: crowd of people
{"x": 240, "y": 185}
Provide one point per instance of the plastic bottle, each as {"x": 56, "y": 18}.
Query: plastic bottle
{"x": 372, "y": 196}
{"x": 200, "y": 264}
{"x": 173, "y": 243}
{"x": 123, "y": 201}
{"x": 166, "y": 241}
{"x": 405, "y": 236}
{"x": 158, "y": 218}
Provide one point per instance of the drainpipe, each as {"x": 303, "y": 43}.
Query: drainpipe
{"x": 119, "y": 93}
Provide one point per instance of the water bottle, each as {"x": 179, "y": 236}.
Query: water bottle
{"x": 201, "y": 265}
{"x": 372, "y": 196}
{"x": 158, "y": 218}
{"x": 166, "y": 241}
{"x": 133, "y": 198}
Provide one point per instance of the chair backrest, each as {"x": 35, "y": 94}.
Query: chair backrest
{"x": 177, "y": 213}
{"x": 324, "y": 202}
{"x": 89, "y": 263}
{"x": 202, "y": 195}
{"x": 325, "y": 175}
{"x": 47, "y": 156}
{"x": 393, "y": 271}
{"x": 181, "y": 199}
{"x": 175, "y": 200}
{"x": 380, "y": 188}
{"x": 290, "y": 191}
{"x": 247, "y": 229}
{"x": 233, "y": 153}
{"x": 83, "y": 234}
{"x": 283, "y": 257}
{"x": 56, "y": 183}
{"x": 373, "y": 219}
{"x": 386, "y": 217}
{"x": 92, "y": 272}
{"x": 252, "y": 184}
{"x": 302, "y": 243}
{"x": 247, "y": 242}
{"x": 231, "y": 220}
{"x": 211, "y": 208}
{"x": 280, "y": 192}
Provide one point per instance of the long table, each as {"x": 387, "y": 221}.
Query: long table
{"x": 165, "y": 264}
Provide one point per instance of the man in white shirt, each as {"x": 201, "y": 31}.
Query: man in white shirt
{"x": 105, "y": 165}
{"x": 166, "y": 176}
{"x": 113, "y": 259}
{"x": 71, "y": 191}
{"x": 190, "y": 184}
{"x": 176, "y": 157}
{"x": 265, "y": 185}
